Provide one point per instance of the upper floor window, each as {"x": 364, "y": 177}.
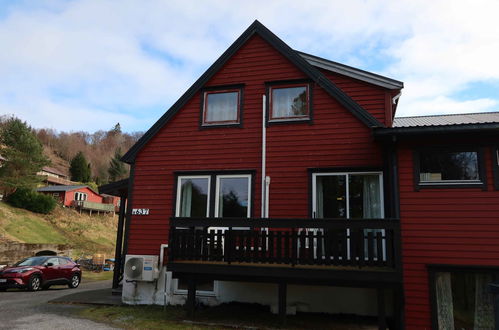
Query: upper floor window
{"x": 495, "y": 166}
{"x": 448, "y": 166}
{"x": 221, "y": 107}
{"x": 289, "y": 102}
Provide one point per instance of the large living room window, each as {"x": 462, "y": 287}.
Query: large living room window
{"x": 222, "y": 106}
{"x": 446, "y": 166}
{"x": 228, "y": 195}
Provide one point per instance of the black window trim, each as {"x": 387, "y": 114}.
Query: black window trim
{"x": 495, "y": 166}
{"x": 239, "y": 87}
{"x": 213, "y": 177}
{"x": 482, "y": 183}
{"x": 288, "y": 83}
{"x": 437, "y": 268}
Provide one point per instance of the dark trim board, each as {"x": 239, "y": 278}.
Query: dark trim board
{"x": 295, "y": 58}
{"x": 299, "y": 276}
{"x": 495, "y": 166}
{"x": 484, "y": 130}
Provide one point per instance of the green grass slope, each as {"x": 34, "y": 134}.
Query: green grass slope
{"x": 84, "y": 233}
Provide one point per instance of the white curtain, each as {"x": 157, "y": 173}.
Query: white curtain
{"x": 319, "y": 212}
{"x": 186, "y": 199}
{"x": 445, "y": 308}
{"x": 484, "y": 305}
{"x": 222, "y": 107}
{"x": 371, "y": 198}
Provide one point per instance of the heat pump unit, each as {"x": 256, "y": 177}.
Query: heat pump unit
{"x": 141, "y": 268}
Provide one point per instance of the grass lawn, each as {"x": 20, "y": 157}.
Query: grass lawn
{"x": 89, "y": 276}
{"x": 233, "y": 315}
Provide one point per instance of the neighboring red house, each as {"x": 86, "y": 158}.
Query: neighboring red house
{"x": 281, "y": 167}
{"x": 78, "y": 196}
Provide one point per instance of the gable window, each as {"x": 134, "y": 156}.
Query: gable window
{"x": 289, "y": 102}
{"x": 79, "y": 196}
{"x": 448, "y": 166}
{"x": 222, "y": 106}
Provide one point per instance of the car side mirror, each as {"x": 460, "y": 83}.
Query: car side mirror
{"x": 49, "y": 264}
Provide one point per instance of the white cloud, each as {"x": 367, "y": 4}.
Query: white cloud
{"x": 128, "y": 61}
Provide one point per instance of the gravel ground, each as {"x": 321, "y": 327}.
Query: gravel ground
{"x": 31, "y": 310}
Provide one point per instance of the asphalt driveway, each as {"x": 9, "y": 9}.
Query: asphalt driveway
{"x": 31, "y": 310}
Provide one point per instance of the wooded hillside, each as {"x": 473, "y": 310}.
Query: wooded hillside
{"x": 98, "y": 148}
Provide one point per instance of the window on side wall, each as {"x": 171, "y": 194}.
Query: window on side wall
{"x": 462, "y": 299}
{"x": 289, "y": 102}
{"x": 222, "y": 107}
{"x": 449, "y": 167}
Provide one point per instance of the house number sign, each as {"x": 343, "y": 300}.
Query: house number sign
{"x": 140, "y": 211}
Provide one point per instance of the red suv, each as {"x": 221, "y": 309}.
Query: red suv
{"x": 37, "y": 273}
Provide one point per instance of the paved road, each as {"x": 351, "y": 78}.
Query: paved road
{"x": 30, "y": 310}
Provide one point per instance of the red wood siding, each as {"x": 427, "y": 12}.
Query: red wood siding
{"x": 443, "y": 226}
{"x": 374, "y": 99}
{"x": 334, "y": 139}
{"x": 91, "y": 196}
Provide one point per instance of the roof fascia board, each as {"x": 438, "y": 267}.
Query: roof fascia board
{"x": 286, "y": 51}
{"x": 444, "y": 129}
{"x": 352, "y": 72}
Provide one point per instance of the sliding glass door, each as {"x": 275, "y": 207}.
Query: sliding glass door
{"x": 346, "y": 196}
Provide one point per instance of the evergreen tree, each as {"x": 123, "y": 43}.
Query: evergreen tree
{"x": 80, "y": 168}
{"x": 117, "y": 168}
{"x": 23, "y": 153}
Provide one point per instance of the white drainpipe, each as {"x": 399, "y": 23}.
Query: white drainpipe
{"x": 265, "y": 178}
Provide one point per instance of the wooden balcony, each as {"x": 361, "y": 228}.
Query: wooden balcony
{"x": 330, "y": 250}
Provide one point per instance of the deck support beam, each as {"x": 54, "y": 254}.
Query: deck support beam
{"x": 282, "y": 292}
{"x": 381, "y": 309}
{"x": 191, "y": 297}
{"x": 118, "y": 253}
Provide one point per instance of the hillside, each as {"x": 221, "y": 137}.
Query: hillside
{"x": 85, "y": 234}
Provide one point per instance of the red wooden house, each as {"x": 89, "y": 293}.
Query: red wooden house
{"x": 278, "y": 178}
{"x": 82, "y": 197}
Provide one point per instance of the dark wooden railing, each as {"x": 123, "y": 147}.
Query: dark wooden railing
{"x": 291, "y": 242}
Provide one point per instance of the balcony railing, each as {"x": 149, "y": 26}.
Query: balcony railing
{"x": 101, "y": 207}
{"x": 372, "y": 243}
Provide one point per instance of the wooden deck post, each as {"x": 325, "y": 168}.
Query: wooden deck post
{"x": 381, "y": 309}
{"x": 191, "y": 297}
{"x": 282, "y": 301}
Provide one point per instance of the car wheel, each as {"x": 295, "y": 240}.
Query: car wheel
{"x": 75, "y": 281}
{"x": 34, "y": 283}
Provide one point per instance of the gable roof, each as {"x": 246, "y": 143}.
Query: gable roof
{"x": 63, "y": 188}
{"x": 294, "y": 57}
{"x": 352, "y": 72}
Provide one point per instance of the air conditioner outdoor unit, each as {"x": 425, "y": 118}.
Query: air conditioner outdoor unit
{"x": 141, "y": 268}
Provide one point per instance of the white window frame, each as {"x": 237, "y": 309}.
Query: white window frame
{"x": 77, "y": 194}
{"x": 199, "y": 293}
{"x": 347, "y": 196}
{"x": 179, "y": 191}
{"x": 217, "y": 191}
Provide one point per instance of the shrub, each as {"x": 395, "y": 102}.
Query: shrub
{"x": 31, "y": 200}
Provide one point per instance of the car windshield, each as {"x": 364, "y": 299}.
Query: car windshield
{"x": 35, "y": 261}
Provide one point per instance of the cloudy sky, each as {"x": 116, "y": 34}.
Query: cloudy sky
{"x": 86, "y": 65}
